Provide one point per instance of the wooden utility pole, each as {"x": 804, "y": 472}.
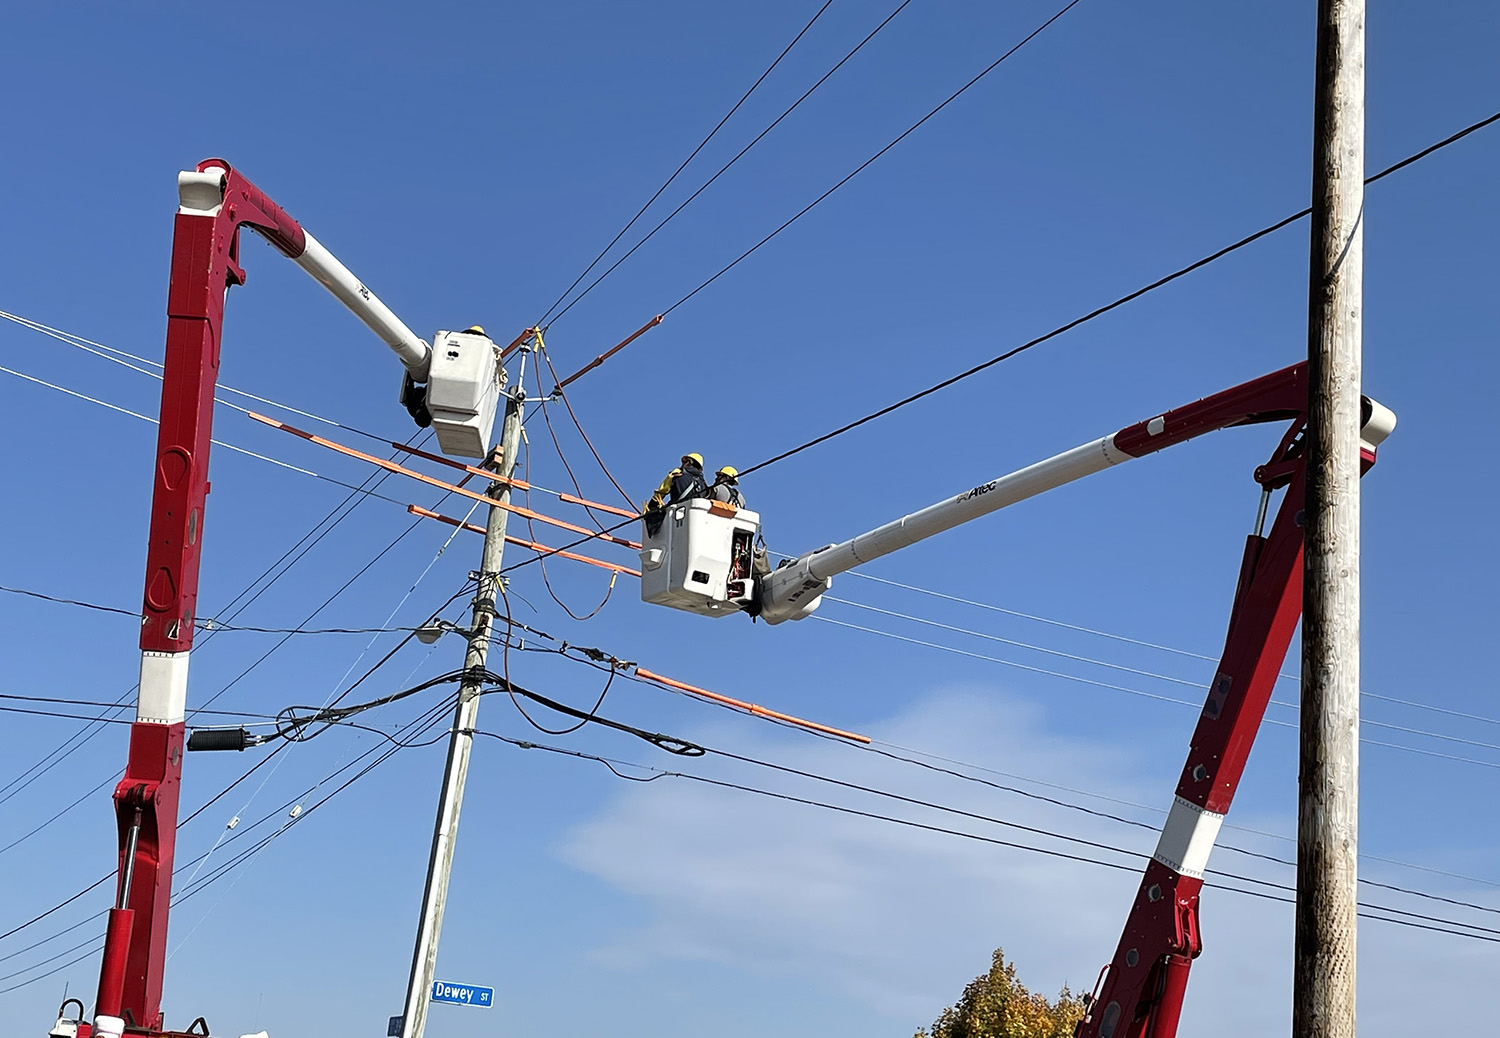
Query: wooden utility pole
{"x": 1323, "y": 992}
{"x": 461, "y": 740}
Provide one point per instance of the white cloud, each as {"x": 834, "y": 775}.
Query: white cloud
{"x": 900, "y": 919}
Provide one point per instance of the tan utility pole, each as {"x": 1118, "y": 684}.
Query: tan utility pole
{"x": 461, "y": 740}
{"x": 1323, "y": 978}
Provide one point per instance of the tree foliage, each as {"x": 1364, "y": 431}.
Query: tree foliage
{"x": 997, "y": 1005}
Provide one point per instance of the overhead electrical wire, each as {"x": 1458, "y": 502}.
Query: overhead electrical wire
{"x": 866, "y": 164}
{"x": 425, "y": 721}
{"x": 691, "y": 156}
{"x": 1402, "y": 917}
{"x": 124, "y": 358}
{"x": 217, "y": 443}
{"x": 1143, "y": 673}
{"x": 567, "y": 405}
{"x": 235, "y": 607}
{"x": 686, "y": 748}
{"x": 1283, "y": 676}
{"x": 204, "y": 623}
{"x": 691, "y": 749}
{"x": 1405, "y": 162}
{"x": 682, "y": 747}
{"x": 725, "y": 168}
{"x": 540, "y": 350}
{"x": 367, "y": 493}
{"x": 112, "y": 874}
{"x": 1070, "y": 325}
{"x": 593, "y": 657}
{"x": 400, "y": 447}
{"x": 1152, "y": 695}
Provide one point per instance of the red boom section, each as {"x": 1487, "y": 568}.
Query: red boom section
{"x": 1141, "y": 996}
{"x": 1277, "y": 397}
{"x": 1141, "y": 992}
{"x": 205, "y": 263}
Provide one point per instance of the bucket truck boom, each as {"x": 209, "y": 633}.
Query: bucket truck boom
{"x": 793, "y": 591}
{"x": 452, "y": 384}
{"x": 1140, "y": 992}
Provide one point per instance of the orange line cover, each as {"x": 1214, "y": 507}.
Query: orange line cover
{"x": 519, "y": 484}
{"x": 518, "y": 542}
{"x": 738, "y": 704}
{"x": 391, "y": 466}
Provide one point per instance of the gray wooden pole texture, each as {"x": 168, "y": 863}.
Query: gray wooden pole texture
{"x": 1323, "y": 997}
{"x": 461, "y": 741}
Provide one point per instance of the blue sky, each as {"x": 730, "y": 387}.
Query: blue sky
{"x": 467, "y": 161}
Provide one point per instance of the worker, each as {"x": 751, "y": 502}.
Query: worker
{"x": 681, "y": 484}
{"x": 726, "y": 487}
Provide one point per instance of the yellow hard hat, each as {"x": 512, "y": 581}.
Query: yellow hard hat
{"x": 474, "y": 329}
{"x": 730, "y": 471}
{"x": 694, "y": 457}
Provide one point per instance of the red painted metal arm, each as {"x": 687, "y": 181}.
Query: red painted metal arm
{"x": 1141, "y": 993}
{"x": 1280, "y": 396}
{"x": 205, "y": 263}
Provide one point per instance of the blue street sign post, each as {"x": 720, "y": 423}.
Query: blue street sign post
{"x": 462, "y": 994}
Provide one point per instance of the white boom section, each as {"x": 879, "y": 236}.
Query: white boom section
{"x": 414, "y": 352}
{"x": 794, "y": 590}
{"x": 202, "y": 193}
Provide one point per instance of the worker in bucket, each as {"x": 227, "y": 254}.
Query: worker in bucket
{"x": 681, "y": 484}
{"x": 726, "y": 487}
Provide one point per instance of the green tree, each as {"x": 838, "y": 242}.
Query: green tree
{"x": 997, "y": 1005}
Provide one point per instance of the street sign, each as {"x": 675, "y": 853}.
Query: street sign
{"x": 393, "y": 1028}
{"x": 462, "y": 994}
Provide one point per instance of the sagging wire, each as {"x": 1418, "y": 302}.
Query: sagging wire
{"x": 1414, "y": 919}
{"x": 540, "y": 349}
{"x": 671, "y": 744}
{"x": 293, "y": 726}
{"x": 558, "y": 394}
{"x": 505, "y": 668}
{"x": 531, "y": 529}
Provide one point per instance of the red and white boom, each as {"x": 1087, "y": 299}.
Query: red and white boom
{"x": 1140, "y": 992}
{"x": 216, "y": 202}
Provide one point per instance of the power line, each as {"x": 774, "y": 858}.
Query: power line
{"x": 124, "y": 359}
{"x": 1417, "y": 920}
{"x": 684, "y": 748}
{"x": 1069, "y": 326}
{"x": 204, "y": 623}
{"x": 1284, "y": 675}
{"x": 347, "y": 506}
{"x": 235, "y": 607}
{"x": 424, "y": 721}
{"x": 725, "y": 168}
{"x": 590, "y": 660}
{"x": 1143, "y": 673}
{"x": 864, "y": 165}
{"x": 694, "y": 154}
{"x": 1153, "y": 695}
